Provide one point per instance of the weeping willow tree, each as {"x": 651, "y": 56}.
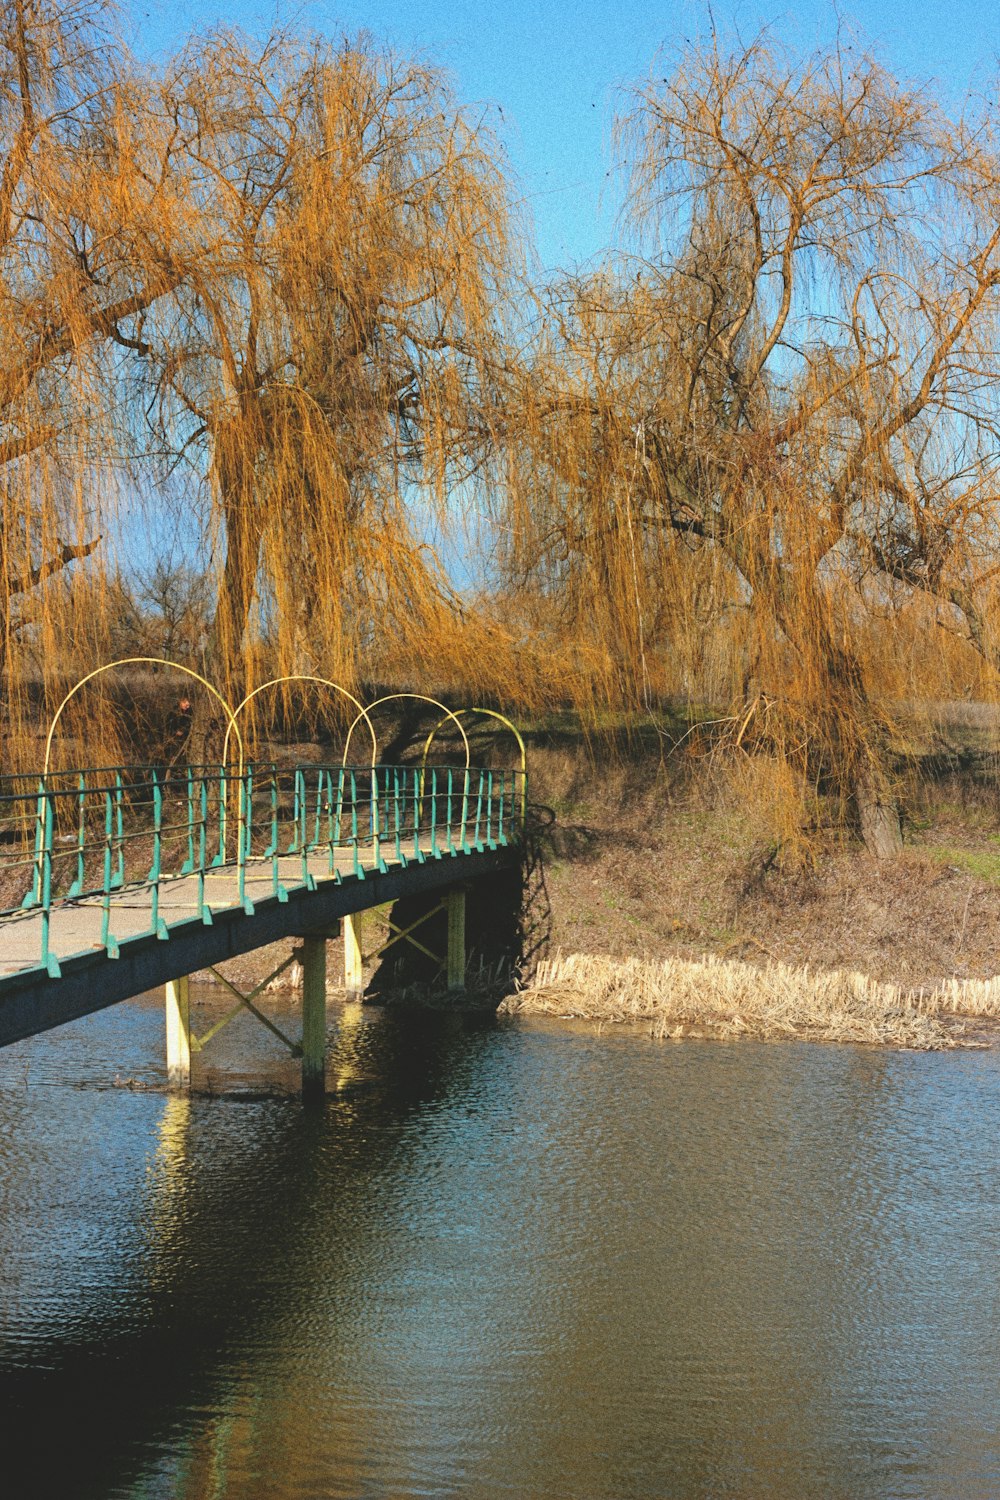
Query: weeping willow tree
{"x": 88, "y": 221}
{"x": 626, "y": 606}
{"x": 781, "y": 409}
{"x": 278, "y": 270}
{"x": 327, "y": 371}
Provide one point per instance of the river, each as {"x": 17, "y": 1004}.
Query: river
{"x": 507, "y": 1259}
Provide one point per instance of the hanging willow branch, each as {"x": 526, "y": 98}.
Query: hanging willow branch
{"x": 806, "y": 333}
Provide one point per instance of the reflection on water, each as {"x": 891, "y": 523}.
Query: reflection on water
{"x": 504, "y": 1261}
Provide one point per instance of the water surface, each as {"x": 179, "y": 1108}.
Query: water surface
{"x": 505, "y": 1260}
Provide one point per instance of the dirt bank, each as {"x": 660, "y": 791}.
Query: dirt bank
{"x": 637, "y": 860}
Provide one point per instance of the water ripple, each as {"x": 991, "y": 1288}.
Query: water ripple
{"x": 505, "y": 1261}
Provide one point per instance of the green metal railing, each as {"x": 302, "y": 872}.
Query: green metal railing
{"x": 87, "y": 836}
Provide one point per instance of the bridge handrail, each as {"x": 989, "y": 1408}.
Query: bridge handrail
{"x": 88, "y": 835}
{"x": 487, "y": 713}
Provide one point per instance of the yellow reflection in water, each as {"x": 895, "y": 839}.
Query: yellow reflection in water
{"x": 347, "y": 1063}
{"x": 168, "y": 1173}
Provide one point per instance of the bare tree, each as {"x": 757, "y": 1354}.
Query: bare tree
{"x": 800, "y": 367}
{"x": 174, "y": 603}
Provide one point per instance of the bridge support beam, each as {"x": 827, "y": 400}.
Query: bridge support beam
{"x": 178, "y": 1026}
{"x": 455, "y": 904}
{"x": 354, "y": 972}
{"x": 313, "y": 1017}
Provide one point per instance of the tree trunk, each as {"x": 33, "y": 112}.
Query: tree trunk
{"x": 224, "y": 650}
{"x": 850, "y": 734}
{"x": 878, "y": 816}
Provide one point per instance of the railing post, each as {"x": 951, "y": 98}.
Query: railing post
{"x": 455, "y": 902}
{"x": 36, "y": 896}
{"x": 354, "y": 975}
{"x": 202, "y": 842}
{"x": 376, "y": 849}
{"x": 178, "y": 1019}
{"x": 155, "y": 868}
{"x": 434, "y": 814}
{"x": 244, "y": 834}
{"x": 313, "y": 1017}
{"x": 338, "y": 815}
{"x": 118, "y": 880}
{"x": 354, "y": 824}
{"x": 46, "y": 884}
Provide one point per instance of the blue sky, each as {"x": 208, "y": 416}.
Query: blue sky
{"x": 554, "y": 72}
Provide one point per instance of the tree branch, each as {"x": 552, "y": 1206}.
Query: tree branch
{"x": 68, "y": 552}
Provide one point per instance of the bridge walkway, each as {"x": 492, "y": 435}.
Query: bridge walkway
{"x": 76, "y": 924}
{"x": 138, "y": 877}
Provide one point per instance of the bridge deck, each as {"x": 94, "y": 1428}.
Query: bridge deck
{"x": 76, "y": 925}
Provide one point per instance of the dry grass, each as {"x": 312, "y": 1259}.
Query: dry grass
{"x": 714, "y": 997}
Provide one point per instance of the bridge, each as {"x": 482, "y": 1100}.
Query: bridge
{"x": 114, "y": 881}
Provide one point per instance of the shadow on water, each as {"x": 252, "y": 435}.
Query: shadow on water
{"x": 236, "y": 1198}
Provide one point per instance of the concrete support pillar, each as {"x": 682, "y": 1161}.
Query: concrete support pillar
{"x": 455, "y": 901}
{"x": 314, "y": 1016}
{"x": 354, "y": 974}
{"x": 178, "y": 1019}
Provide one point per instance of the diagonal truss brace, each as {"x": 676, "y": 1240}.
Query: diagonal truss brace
{"x": 405, "y": 934}
{"x": 245, "y": 1002}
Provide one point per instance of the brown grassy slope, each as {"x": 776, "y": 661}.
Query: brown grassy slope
{"x": 641, "y": 862}
{"x": 650, "y": 859}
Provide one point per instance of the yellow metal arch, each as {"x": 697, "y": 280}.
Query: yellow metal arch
{"x": 156, "y": 661}
{"x": 418, "y": 697}
{"x": 489, "y": 713}
{"x": 322, "y": 682}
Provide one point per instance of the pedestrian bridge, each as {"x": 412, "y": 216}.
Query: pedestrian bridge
{"x": 116, "y": 880}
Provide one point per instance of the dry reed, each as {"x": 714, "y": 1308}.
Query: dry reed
{"x": 721, "y": 998}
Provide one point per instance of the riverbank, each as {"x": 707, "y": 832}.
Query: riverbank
{"x": 650, "y": 858}
{"x": 669, "y": 897}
